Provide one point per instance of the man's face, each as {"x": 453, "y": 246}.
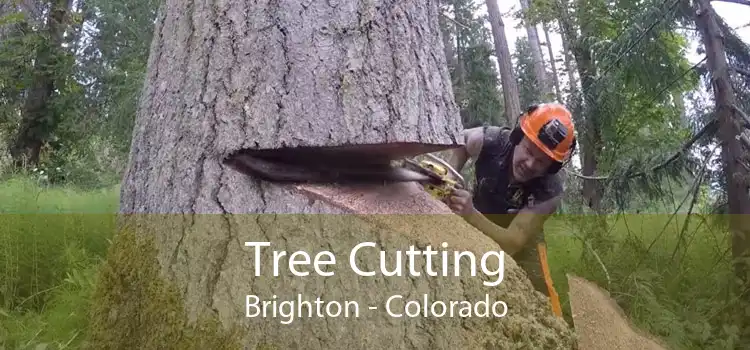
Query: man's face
{"x": 529, "y": 161}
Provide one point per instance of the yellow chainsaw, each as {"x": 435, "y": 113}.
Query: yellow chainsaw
{"x": 444, "y": 179}
{"x": 339, "y": 165}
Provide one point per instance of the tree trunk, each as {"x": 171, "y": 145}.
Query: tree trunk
{"x": 540, "y": 72}
{"x": 590, "y": 140}
{"x": 555, "y": 80}
{"x": 460, "y": 64}
{"x": 569, "y": 68}
{"x": 232, "y": 76}
{"x": 38, "y": 118}
{"x": 508, "y": 81}
{"x": 679, "y": 103}
{"x": 732, "y": 152}
{"x": 447, "y": 41}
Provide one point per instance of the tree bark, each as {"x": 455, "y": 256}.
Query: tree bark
{"x": 732, "y": 151}
{"x": 231, "y": 76}
{"x": 508, "y": 80}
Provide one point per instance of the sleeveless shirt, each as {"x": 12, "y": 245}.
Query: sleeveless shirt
{"x": 493, "y": 193}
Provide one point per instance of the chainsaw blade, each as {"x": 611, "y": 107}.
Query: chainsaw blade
{"x": 323, "y": 172}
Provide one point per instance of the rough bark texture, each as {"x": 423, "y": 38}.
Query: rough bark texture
{"x": 460, "y": 70}
{"x": 228, "y": 76}
{"x": 225, "y": 76}
{"x": 507, "y": 79}
{"x": 214, "y": 272}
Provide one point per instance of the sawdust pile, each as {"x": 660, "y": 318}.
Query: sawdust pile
{"x": 599, "y": 321}
{"x": 398, "y": 216}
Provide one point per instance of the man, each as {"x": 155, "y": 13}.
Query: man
{"x": 517, "y": 185}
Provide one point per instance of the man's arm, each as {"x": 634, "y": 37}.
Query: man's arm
{"x": 473, "y": 140}
{"x": 510, "y": 240}
{"x": 530, "y": 220}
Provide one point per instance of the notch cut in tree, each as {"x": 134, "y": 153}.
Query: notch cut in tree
{"x": 226, "y": 77}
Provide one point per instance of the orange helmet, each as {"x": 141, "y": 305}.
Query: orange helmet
{"x": 550, "y": 127}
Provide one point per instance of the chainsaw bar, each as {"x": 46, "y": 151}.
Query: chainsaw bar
{"x": 324, "y": 171}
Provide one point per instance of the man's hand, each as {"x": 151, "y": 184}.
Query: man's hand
{"x": 460, "y": 201}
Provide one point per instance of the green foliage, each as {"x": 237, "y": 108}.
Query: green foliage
{"x": 671, "y": 278}
{"x": 475, "y": 79}
{"x": 637, "y": 68}
{"x": 483, "y": 105}
{"x": 116, "y": 60}
{"x": 51, "y": 242}
{"x": 97, "y": 85}
{"x": 529, "y": 90}
{"x": 17, "y": 51}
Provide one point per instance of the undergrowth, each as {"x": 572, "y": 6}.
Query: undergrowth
{"x": 51, "y": 243}
{"x": 671, "y": 278}
{"x": 53, "y": 240}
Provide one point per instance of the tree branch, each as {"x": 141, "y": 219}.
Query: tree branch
{"x": 745, "y": 118}
{"x": 706, "y": 129}
{"x": 453, "y": 20}
{"x": 741, "y": 71}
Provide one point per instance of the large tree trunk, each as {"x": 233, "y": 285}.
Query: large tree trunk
{"x": 227, "y": 76}
{"x": 507, "y": 79}
{"x": 732, "y": 153}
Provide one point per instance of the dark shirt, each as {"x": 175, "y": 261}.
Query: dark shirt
{"x": 494, "y": 195}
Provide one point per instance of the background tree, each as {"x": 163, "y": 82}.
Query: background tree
{"x": 475, "y": 83}
{"x": 530, "y": 91}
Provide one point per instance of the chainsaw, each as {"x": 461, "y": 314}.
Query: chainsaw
{"x": 444, "y": 179}
{"x": 324, "y": 165}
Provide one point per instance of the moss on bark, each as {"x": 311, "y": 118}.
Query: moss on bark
{"x": 135, "y": 307}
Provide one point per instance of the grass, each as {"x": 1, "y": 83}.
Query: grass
{"x": 680, "y": 295}
{"x": 53, "y": 239}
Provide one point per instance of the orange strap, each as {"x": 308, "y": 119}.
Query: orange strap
{"x": 553, "y": 297}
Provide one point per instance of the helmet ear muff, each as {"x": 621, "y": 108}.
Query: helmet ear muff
{"x": 516, "y": 135}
